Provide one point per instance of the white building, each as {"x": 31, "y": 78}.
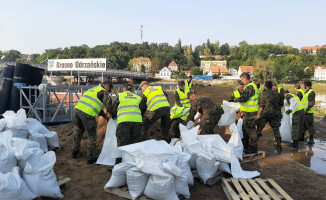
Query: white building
{"x": 206, "y": 65}
{"x": 218, "y": 71}
{"x": 319, "y": 73}
{"x": 142, "y": 62}
{"x": 173, "y": 67}
{"x": 242, "y": 69}
{"x": 233, "y": 72}
{"x": 165, "y": 73}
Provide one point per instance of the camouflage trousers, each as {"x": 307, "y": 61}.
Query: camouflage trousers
{"x": 84, "y": 123}
{"x": 297, "y": 125}
{"x": 150, "y": 117}
{"x": 250, "y": 136}
{"x": 308, "y": 124}
{"x": 128, "y": 133}
{"x": 274, "y": 120}
{"x": 174, "y": 129}
{"x": 209, "y": 121}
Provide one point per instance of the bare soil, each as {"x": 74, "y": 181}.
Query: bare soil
{"x": 87, "y": 181}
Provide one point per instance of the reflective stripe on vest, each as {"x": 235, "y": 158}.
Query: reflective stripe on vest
{"x": 300, "y": 107}
{"x": 89, "y": 103}
{"x": 305, "y": 101}
{"x": 184, "y": 100}
{"x": 252, "y": 104}
{"x": 128, "y": 109}
{"x": 155, "y": 98}
{"x": 236, "y": 94}
{"x": 179, "y": 112}
{"x": 279, "y": 90}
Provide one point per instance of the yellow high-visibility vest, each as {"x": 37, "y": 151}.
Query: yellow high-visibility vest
{"x": 184, "y": 100}
{"x": 300, "y": 107}
{"x": 188, "y": 85}
{"x": 252, "y": 104}
{"x": 236, "y": 94}
{"x": 155, "y": 98}
{"x": 305, "y": 101}
{"x": 128, "y": 109}
{"x": 89, "y": 103}
{"x": 179, "y": 112}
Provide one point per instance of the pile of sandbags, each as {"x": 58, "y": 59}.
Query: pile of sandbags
{"x": 210, "y": 153}
{"x": 230, "y": 111}
{"x": 26, "y": 165}
{"x": 153, "y": 168}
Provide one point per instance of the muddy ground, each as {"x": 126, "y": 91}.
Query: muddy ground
{"x": 298, "y": 180}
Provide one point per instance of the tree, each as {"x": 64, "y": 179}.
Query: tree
{"x": 34, "y": 57}
{"x": 12, "y": 55}
{"x": 217, "y": 50}
{"x": 182, "y": 75}
{"x": 156, "y": 65}
{"x": 207, "y": 52}
{"x": 262, "y": 68}
{"x": 196, "y": 71}
{"x": 225, "y": 49}
{"x": 189, "y": 57}
{"x": 78, "y": 52}
{"x": 0, "y": 55}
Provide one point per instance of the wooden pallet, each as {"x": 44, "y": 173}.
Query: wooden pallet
{"x": 246, "y": 189}
{"x": 251, "y": 157}
{"x": 123, "y": 192}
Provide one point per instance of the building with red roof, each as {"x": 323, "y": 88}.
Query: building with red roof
{"x": 242, "y": 69}
{"x": 173, "y": 67}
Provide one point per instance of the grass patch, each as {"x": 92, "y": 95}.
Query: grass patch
{"x": 318, "y": 87}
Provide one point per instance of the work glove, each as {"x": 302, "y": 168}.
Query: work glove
{"x": 288, "y": 112}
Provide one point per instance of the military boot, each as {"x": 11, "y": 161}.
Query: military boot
{"x": 279, "y": 148}
{"x": 311, "y": 140}
{"x": 294, "y": 144}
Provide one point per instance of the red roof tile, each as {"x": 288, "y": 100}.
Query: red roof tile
{"x": 173, "y": 64}
{"x": 312, "y": 48}
{"x": 143, "y": 59}
{"x": 217, "y": 69}
{"x": 322, "y": 67}
{"x": 247, "y": 68}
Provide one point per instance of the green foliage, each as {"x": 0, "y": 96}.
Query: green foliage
{"x": 34, "y": 57}
{"x": 182, "y": 75}
{"x": 196, "y": 71}
{"x": 12, "y": 55}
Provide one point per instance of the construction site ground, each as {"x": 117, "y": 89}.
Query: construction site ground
{"x": 290, "y": 170}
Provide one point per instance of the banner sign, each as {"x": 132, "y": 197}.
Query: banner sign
{"x": 82, "y": 64}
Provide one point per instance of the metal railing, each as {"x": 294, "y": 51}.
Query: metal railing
{"x": 57, "y": 102}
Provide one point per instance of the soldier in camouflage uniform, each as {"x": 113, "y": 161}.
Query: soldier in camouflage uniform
{"x": 297, "y": 111}
{"x": 308, "y": 102}
{"x": 210, "y": 113}
{"x": 249, "y": 107}
{"x": 84, "y": 116}
{"x": 269, "y": 111}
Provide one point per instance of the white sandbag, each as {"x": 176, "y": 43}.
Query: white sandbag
{"x": 224, "y": 167}
{"x": 52, "y": 139}
{"x": 136, "y": 181}
{"x": 34, "y": 125}
{"x": 118, "y": 177}
{"x": 108, "y": 153}
{"x": 181, "y": 186}
{"x": 189, "y": 124}
{"x": 34, "y": 159}
{"x": 3, "y": 124}
{"x": 230, "y": 109}
{"x": 15, "y": 120}
{"x": 39, "y": 138}
{"x": 206, "y": 168}
{"x": 161, "y": 188}
{"x": 235, "y": 141}
{"x": 239, "y": 127}
{"x": 127, "y": 157}
{"x": 13, "y": 187}
{"x": 24, "y": 148}
{"x": 40, "y": 177}
{"x": 18, "y": 133}
{"x": 192, "y": 160}
{"x": 185, "y": 168}
{"x": 285, "y": 128}
{"x": 7, "y": 154}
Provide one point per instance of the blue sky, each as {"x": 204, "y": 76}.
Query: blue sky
{"x": 31, "y": 26}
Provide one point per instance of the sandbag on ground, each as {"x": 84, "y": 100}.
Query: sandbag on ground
{"x": 13, "y": 187}
{"x": 206, "y": 168}
{"x": 40, "y": 176}
{"x": 161, "y": 188}
{"x": 136, "y": 181}
{"x": 7, "y": 154}
{"x": 118, "y": 177}
{"x": 39, "y": 138}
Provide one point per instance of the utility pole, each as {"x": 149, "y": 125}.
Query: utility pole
{"x": 141, "y": 34}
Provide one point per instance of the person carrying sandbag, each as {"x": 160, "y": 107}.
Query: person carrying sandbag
{"x": 209, "y": 112}
{"x": 87, "y": 109}
{"x": 297, "y": 111}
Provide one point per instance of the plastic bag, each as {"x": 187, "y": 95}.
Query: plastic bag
{"x": 18, "y": 133}
{"x": 235, "y": 141}
{"x": 108, "y": 153}
{"x": 34, "y": 125}
{"x": 230, "y": 109}
{"x": 118, "y": 177}
{"x": 127, "y": 157}
{"x": 39, "y": 138}
{"x": 285, "y": 128}
{"x": 24, "y": 148}
{"x": 181, "y": 186}
{"x": 239, "y": 127}
{"x": 15, "y": 120}
{"x": 52, "y": 139}
{"x": 7, "y": 154}
{"x": 136, "y": 181}
{"x": 161, "y": 188}
{"x": 12, "y": 186}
